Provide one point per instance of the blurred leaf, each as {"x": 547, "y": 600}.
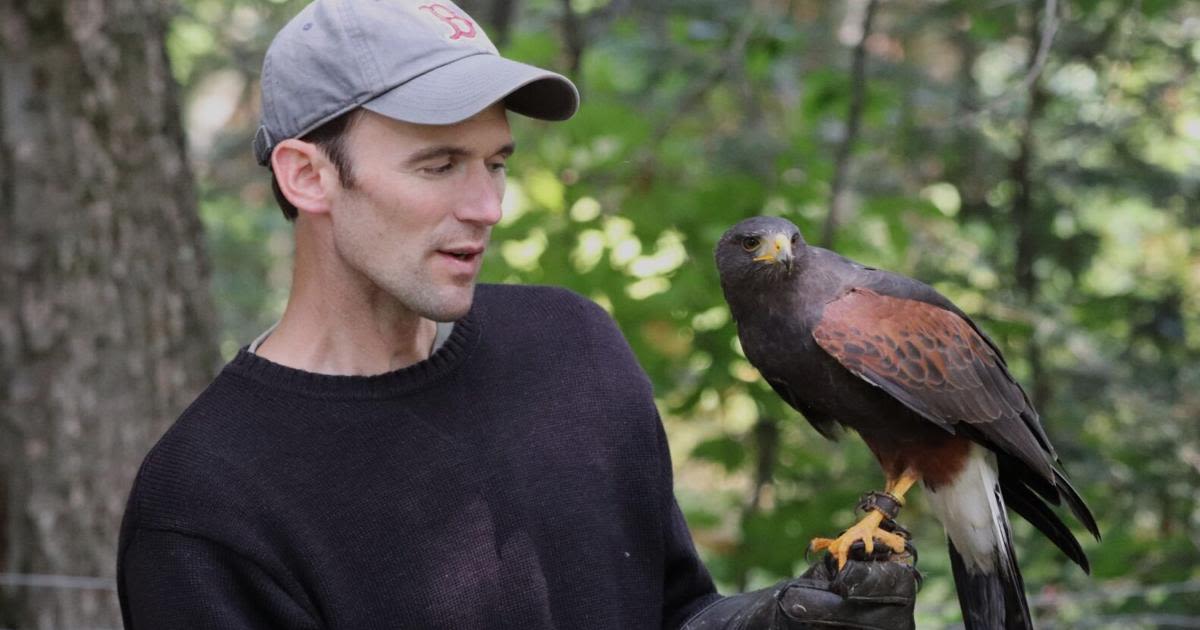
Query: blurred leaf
{"x": 724, "y": 450}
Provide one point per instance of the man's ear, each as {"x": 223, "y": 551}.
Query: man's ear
{"x": 304, "y": 175}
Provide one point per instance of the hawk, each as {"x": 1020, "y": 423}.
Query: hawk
{"x": 853, "y": 346}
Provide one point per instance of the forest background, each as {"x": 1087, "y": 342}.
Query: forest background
{"x": 1038, "y": 161}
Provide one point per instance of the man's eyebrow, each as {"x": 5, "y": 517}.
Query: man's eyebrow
{"x": 441, "y": 150}
{"x": 449, "y": 150}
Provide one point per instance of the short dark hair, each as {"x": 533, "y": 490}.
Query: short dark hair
{"x": 331, "y": 138}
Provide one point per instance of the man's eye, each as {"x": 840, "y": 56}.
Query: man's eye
{"x": 439, "y": 169}
{"x": 750, "y": 243}
{"x": 498, "y": 167}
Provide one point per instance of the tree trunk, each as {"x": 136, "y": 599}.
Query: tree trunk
{"x": 106, "y": 323}
{"x": 841, "y": 160}
{"x": 1025, "y": 208}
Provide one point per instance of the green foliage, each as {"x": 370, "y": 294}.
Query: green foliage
{"x": 698, "y": 114}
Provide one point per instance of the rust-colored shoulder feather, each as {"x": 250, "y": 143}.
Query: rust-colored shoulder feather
{"x": 935, "y": 363}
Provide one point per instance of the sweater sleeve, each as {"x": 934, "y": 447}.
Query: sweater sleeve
{"x": 688, "y": 587}
{"x": 174, "y": 580}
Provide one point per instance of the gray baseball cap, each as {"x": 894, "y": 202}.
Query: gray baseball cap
{"x": 419, "y": 61}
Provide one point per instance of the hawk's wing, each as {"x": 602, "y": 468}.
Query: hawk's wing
{"x": 936, "y": 363}
{"x": 826, "y": 426}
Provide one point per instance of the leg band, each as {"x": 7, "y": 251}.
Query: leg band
{"x": 882, "y": 502}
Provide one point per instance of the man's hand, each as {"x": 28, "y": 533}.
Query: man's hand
{"x": 866, "y": 594}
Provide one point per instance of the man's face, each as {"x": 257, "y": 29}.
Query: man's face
{"x": 425, "y": 199}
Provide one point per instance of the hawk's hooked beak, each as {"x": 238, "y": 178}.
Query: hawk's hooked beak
{"x": 777, "y": 250}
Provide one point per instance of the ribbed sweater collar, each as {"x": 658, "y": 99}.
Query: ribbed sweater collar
{"x": 457, "y": 347}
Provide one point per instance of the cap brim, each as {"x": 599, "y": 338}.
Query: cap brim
{"x": 458, "y": 90}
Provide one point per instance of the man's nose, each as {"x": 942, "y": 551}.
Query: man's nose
{"x": 482, "y": 197}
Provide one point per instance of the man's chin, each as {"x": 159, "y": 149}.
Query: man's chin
{"x": 452, "y": 307}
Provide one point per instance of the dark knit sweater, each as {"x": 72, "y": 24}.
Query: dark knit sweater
{"x": 518, "y": 478}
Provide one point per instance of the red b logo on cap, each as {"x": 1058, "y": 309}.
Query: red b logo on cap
{"x": 461, "y": 25}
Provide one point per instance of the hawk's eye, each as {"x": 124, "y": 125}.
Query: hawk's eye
{"x": 750, "y": 243}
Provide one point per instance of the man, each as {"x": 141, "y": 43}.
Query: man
{"x": 401, "y": 450}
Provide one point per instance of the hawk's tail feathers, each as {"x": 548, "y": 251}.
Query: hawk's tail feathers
{"x": 992, "y": 600}
{"x": 991, "y": 592}
{"x": 1028, "y": 504}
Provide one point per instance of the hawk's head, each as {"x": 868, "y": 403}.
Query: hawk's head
{"x": 759, "y": 249}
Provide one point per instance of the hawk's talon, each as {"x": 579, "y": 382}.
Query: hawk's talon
{"x": 911, "y": 550}
{"x": 864, "y": 533}
{"x": 890, "y": 525}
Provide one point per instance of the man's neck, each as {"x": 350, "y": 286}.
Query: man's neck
{"x": 314, "y": 343}
{"x": 308, "y": 344}
{"x": 346, "y": 330}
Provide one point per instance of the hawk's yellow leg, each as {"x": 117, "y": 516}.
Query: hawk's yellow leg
{"x": 867, "y": 530}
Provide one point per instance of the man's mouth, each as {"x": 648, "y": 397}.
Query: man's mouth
{"x": 464, "y": 253}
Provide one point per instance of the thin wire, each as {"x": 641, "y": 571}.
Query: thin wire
{"x": 1156, "y": 620}
{"x": 73, "y": 628}
{"x": 1106, "y": 592}
{"x": 41, "y": 580}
